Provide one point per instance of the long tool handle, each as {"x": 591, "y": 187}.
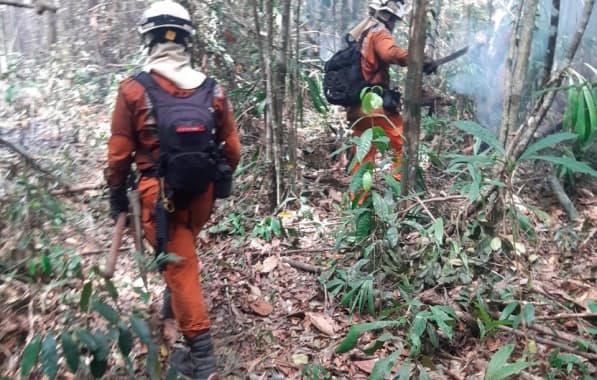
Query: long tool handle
{"x": 134, "y": 201}
{"x": 115, "y": 247}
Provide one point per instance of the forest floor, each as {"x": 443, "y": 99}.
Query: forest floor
{"x": 271, "y": 316}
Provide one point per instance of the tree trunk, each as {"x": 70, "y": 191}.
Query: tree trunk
{"x": 550, "y": 53}
{"x": 52, "y": 33}
{"x": 512, "y": 103}
{"x": 414, "y": 76}
{"x": 296, "y": 105}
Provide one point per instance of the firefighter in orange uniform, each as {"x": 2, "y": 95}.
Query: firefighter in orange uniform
{"x": 169, "y": 80}
{"x": 378, "y": 52}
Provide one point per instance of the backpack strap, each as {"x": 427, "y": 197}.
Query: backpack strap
{"x": 360, "y": 42}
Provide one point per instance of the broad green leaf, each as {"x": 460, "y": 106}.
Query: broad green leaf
{"x": 498, "y": 360}
{"x": 49, "y": 356}
{"x": 111, "y": 289}
{"x": 497, "y": 368}
{"x": 141, "y": 328}
{"x": 85, "y": 295}
{"x": 363, "y": 225}
{"x": 404, "y": 372}
{"x": 529, "y": 313}
{"x": 71, "y": 351}
{"x": 383, "y": 367}
{"x": 46, "y": 265}
{"x": 364, "y": 144}
{"x": 508, "y": 310}
{"x": 393, "y": 183}
{"x": 592, "y": 306}
{"x": 350, "y": 341}
{"x": 380, "y": 206}
{"x": 591, "y": 112}
{"x": 125, "y": 340}
{"x": 153, "y": 363}
{"x": 569, "y": 163}
{"x": 30, "y": 354}
{"x": 316, "y": 95}
{"x": 103, "y": 346}
{"x": 440, "y": 318}
{"x": 367, "y": 181}
{"x": 546, "y": 142}
{"x": 172, "y": 374}
{"x": 508, "y": 370}
{"x": 581, "y": 120}
{"x": 438, "y": 230}
{"x": 392, "y": 236}
{"x": 481, "y": 133}
{"x": 106, "y": 311}
{"x": 98, "y": 367}
{"x": 371, "y": 101}
{"x": 87, "y": 339}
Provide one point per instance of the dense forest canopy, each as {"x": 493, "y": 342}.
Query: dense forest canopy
{"x": 475, "y": 261}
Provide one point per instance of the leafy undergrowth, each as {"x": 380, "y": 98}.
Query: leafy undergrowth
{"x": 311, "y": 291}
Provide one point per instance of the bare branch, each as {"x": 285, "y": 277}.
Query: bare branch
{"x": 39, "y": 6}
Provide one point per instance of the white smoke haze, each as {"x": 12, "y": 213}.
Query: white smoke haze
{"x": 481, "y": 74}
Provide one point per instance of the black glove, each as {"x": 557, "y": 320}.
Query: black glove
{"x": 429, "y": 66}
{"x": 119, "y": 202}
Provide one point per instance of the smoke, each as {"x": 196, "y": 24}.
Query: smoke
{"x": 481, "y": 75}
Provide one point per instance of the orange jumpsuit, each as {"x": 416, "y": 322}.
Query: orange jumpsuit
{"x": 379, "y": 51}
{"x": 134, "y": 137}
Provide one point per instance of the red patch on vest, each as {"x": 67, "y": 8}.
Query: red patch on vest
{"x": 190, "y": 128}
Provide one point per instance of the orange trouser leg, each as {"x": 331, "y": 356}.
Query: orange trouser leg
{"x": 393, "y": 129}
{"x": 182, "y": 278}
{"x": 188, "y": 303}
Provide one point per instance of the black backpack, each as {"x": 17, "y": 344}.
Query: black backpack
{"x": 343, "y": 78}
{"x": 187, "y": 135}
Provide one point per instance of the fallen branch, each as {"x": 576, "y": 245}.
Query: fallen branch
{"x": 549, "y": 342}
{"x": 303, "y": 266}
{"x": 566, "y": 316}
{"x": 30, "y": 160}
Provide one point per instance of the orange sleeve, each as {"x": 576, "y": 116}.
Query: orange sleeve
{"x": 385, "y": 47}
{"x": 227, "y": 130}
{"x": 121, "y": 144}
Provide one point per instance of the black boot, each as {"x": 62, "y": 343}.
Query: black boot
{"x": 198, "y": 361}
{"x": 166, "y": 311}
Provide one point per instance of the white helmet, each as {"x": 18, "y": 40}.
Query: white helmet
{"x": 384, "y": 9}
{"x": 166, "y": 14}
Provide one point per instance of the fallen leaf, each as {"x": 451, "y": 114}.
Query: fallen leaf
{"x": 261, "y": 308}
{"x": 322, "y": 322}
{"x": 300, "y": 359}
{"x": 269, "y": 264}
{"x": 365, "y": 365}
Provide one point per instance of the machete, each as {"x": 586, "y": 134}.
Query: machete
{"x": 450, "y": 57}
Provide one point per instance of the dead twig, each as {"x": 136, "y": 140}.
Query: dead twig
{"x": 303, "y": 266}
{"x": 82, "y": 189}
{"x": 425, "y": 208}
